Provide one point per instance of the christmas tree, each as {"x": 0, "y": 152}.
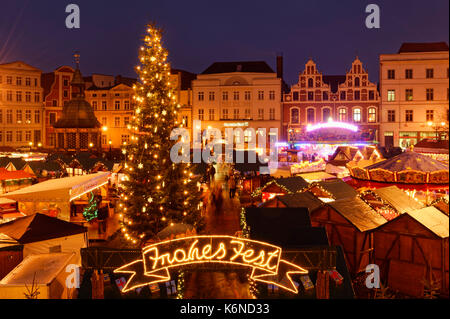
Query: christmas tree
{"x": 156, "y": 192}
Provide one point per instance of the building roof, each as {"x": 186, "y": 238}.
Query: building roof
{"x": 431, "y": 218}
{"x": 305, "y": 199}
{"x": 423, "y": 47}
{"x": 230, "y": 67}
{"x": 39, "y": 227}
{"x": 410, "y": 161}
{"x": 398, "y": 199}
{"x": 337, "y": 188}
{"x": 358, "y": 213}
{"x": 6, "y": 175}
{"x": 40, "y": 269}
{"x": 186, "y": 78}
{"x": 333, "y": 81}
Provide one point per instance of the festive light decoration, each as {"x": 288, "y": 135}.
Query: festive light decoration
{"x": 91, "y": 211}
{"x": 264, "y": 259}
{"x": 332, "y": 124}
{"x": 153, "y": 196}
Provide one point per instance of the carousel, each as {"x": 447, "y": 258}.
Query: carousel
{"x": 419, "y": 175}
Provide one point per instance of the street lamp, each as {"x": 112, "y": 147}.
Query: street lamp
{"x": 110, "y": 145}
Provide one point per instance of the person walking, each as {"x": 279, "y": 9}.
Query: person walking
{"x": 232, "y": 186}
{"x": 212, "y": 173}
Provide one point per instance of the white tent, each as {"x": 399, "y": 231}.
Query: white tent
{"x": 44, "y": 273}
{"x": 59, "y": 191}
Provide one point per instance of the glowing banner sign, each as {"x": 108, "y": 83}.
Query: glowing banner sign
{"x": 332, "y": 124}
{"x": 264, "y": 259}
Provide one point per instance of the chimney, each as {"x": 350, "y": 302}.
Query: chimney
{"x": 280, "y": 65}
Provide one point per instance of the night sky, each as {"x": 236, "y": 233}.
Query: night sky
{"x": 198, "y": 33}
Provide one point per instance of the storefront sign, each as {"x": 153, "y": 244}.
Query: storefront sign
{"x": 264, "y": 259}
{"x": 237, "y": 124}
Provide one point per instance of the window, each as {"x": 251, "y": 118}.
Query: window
{"x": 27, "y": 96}
{"x": 8, "y": 136}
{"x": 104, "y": 106}
{"x": 409, "y": 94}
{"x": 236, "y": 114}
{"x": 430, "y": 94}
{"x": 271, "y": 114}
{"x": 310, "y": 115}
{"x": 247, "y": 95}
{"x": 211, "y": 96}
{"x": 66, "y": 93}
{"x": 310, "y": 96}
{"x": 325, "y": 96}
{"x": 371, "y": 95}
{"x": 310, "y": 83}
{"x": 1, "y": 136}
{"x": 225, "y": 96}
{"x": 185, "y": 121}
{"x": 35, "y": 82}
{"x": 225, "y": 114}
{"x": 19, "y": 116}
{"x": 28, "y": 116}
{"x": 37, "y": 116}
{"x": 125, "y": 139}
{"x": 391, "y": 74}
{"x": 19, "y": 136}
{"x": 260, "y": 114}
{"x": 126, "y": 105}
{"x": 27, "y": 136}
{"x": 201, "y": 96}
{"x": 342, "y": 114}
{"x": 236, "y": 96}
{"x": 342, "y": 96}
{"x": 18, "y": 81}
{"x": 37, "y": 97}
{"x": 408, "y": 74}
{"x": 9, "y": 96}
{"x": 409, "y": 115}
{"x": 430, "y": 115}
{"x": 326, "y": 114}
{"x": 126, "y": 121}
{"x": 117, "y": 121}
{"x": 272, "y": 95}
{"x": 357, "y": 115}
{"x": 391, "y": 115}
{"x": 295, "y": 116}
{"x": 211, "y": 114}
{"x": 94, "y": 105}
{"x": 1, "y": 116}
{"x": 65, "y": 82}
{"x": 430, "y": 73}
{"x": 201, "y": 114}
{"x": 295, "y": 96}
{"x": 104, "y": 121}
{"x": 117, "y": 105}
{"x": 260, "y": 95}
{"x": 391, "y": 95}
{"x": 19, "y": 96}
{"x": 9, "y": 117}
{"x": 55, "y": 103}
{"x": 1, "y": 80}
{"x": 357, "y": 82}
{"x": 372, "y": 115}
{"x": 357, "y": 95}
{"x": 52, "y": 118}
{"x": 9, "y": 80}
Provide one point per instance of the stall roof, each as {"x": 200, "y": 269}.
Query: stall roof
{"x": 398, "y": 199}
{"x": 357, "y": 212}
{"x": 292, "y": 184}
{"x": 305, "y": 199}
{"x": 39, "y": 227}
{"x": 7, "y": 243}
{"x": 337, "y": 188}
{"x": 316, "y": 176}
{"x": 410, "y": 161}
{"x": 442, "y": 206}
{"x": 6, "y": 175}
{"x": 59, "y": 190}
{"x": 42, "y": 267}
{"x": 432, "y": 219}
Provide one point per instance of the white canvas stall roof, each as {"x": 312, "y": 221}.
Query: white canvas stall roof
{"x": 432, "y": 219}
{"x": 60, "y": 190}
{"x": 4, "y": 201}
{"x": 45, "y": 266}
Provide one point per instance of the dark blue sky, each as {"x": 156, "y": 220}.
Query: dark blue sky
{"x": 198, "y": 33}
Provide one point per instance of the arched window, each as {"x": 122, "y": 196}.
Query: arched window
{"x": 357, "y": 115}
{"x": 310, "y": 83}
{"x": 357, "y": 83}
{"x": 342, "y": 114}
{"x": 295, "y": 116}
{"x": 310, "y": 115}
{"x": 326, "y": 114}
{"x": 372, "y": 115}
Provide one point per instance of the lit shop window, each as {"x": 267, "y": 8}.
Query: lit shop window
{"x": 372, "y": 115}
{"x": 357, "y": 115}
{"x": 342, "y": 115}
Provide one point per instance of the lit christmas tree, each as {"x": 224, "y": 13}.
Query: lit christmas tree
{"x": 157, "y": 192}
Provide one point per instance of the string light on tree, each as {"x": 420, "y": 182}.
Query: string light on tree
{"x": 153, "y": 197}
